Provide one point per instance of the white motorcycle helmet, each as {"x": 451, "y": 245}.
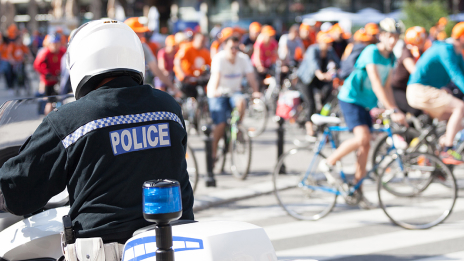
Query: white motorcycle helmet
{"x": 102, "y": 49}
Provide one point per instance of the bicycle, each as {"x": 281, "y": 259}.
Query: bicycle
{"x": 195, "y": 109}
{"x": 306, "y": 193}
{"x": 192, "y": 168}
{"x": 237, "y": 142}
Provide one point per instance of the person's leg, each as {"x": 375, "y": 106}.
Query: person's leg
{"x": 218, "y": 132}
{"x": 456, "y": 108}
{"x": 357, "y": 119}
{"x": 363, "y": 136}
{"x": 307, "y": 94}
{"x": 219, "y": 110}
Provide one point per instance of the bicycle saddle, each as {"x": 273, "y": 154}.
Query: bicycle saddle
{"x": 321, "y": 120}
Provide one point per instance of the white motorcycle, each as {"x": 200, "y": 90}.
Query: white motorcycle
{"x": 38, "y": 236}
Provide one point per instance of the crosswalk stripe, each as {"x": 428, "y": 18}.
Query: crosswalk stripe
{"x": 372, "y": 244}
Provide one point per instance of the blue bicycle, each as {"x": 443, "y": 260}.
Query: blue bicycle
{"x": 409, "y": 185}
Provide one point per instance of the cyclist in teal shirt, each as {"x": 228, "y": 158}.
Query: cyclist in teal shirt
{"x": 368, "y": 83}
{"x": 439, "y": 65}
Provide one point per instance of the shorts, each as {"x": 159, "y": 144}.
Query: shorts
{"x": 355, "y": 115}
{"x": 402, "y": 103}
{"x": 221, "y": 107}
{"x": 430, "y": 99}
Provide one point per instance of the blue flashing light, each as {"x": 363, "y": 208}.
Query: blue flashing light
{"x": 161, "y": 199}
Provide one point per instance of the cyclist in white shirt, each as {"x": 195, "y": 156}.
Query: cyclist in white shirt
{"x": 224, "y": 87}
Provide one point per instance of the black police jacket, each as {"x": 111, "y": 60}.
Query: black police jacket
{"x": 102, "y": 147}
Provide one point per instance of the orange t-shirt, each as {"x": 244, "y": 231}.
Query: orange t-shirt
{"x": 191, "y": 60}
{"x": 17, "y": 51}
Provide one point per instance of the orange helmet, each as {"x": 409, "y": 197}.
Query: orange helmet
{"x": 458, "y": 30}
{"x": 170, "y": 40}
{"x": 324, "y": 37}
{"x": 415, "y": 36}
{"x": 305, "y": 27}
{"x": 442, "y": 21}
{"x": 371, "y": 28}
{"x": 135, "y": 25}
{"x": 362, "y": 36}
{"x": 226, "y": 33}
{"x": 268, "y": 30}
{"x": 255, "y": 27}
{"x": 12, "y": 31}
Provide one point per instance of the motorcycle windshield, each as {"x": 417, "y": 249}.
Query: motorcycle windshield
{"x": 20, "y": 118}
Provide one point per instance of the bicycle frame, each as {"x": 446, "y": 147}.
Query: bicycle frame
{"x": 327, "y": 136}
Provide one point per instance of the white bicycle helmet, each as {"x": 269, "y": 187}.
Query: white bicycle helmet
{"x": 102, "y": 49}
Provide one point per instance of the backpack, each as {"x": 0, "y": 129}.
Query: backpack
{"x": 347, "y": 65}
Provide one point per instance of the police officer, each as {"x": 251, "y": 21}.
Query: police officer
{"x": 102, "y": 147}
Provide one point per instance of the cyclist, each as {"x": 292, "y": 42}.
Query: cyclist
{"x": 369, "y": 83}
{"x": 264, "y": 52}
{"x": 288, "y": 44}
{"x": 227, "y": 70}
{"x": 439, "y": 65}
{"x": 150, "y": 59}
{"x": 48, "y": 63}
{"x": 313, "y": 74}
{"x": 13, "y": 34}
{"x": 248, "y": 41}
{"x": 166, "y": 61}
{"x": 414, "y": 39}
{"x": 189, "y": 63}
{"x": 81, "y": 145}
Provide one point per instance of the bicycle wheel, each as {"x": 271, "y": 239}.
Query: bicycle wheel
{"x": 423, "y": 202}
{"x": 240, "y": 153}
{"x": 192, "y": 168}
{"x": 382, "y": 152}
{"x": 302, "y": 191}
{"x": 256, "y": 116}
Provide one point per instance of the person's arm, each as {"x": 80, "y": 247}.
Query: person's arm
{"x": 409, "y": 64}
{"x": 385, "y": 95}
{"x": 213, "y": 83}
{"x": 215, "y": 77}
{"x": 40, "y": 63}
{"x": 153, "y": 65}
{"x": 161, "y": 64}
{"x": 454, "y": 66}
{"x": 377, "y": 87}
{"x": 178, "y": 64}
{"x": 38, "y": 173}
{"x": 257, "y": 57}
{"x": 251, "y": 77}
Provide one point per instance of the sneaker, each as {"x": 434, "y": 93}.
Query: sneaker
{"x": 327, "y": 169}
{"x": 366, "y": 204}
{"x": 451, "y": 157}
{"x": 310, "y": 138}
